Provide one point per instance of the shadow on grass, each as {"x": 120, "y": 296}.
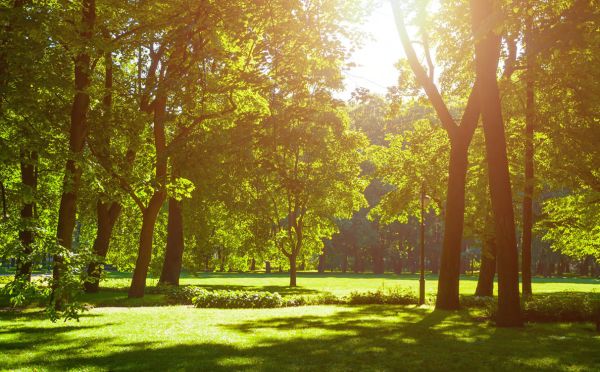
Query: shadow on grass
{"x": 353, "y": 338}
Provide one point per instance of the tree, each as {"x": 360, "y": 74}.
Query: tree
{"x": 487, "y": 53}
{"x": 460, "y": 136}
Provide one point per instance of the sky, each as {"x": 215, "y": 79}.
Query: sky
{"x": 375, "y": 60}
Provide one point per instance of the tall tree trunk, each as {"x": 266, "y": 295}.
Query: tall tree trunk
{"x": 529, "y": 180}
{"x": 252, "y": 264}
{"x": 29, "y": 180}
{"x": 140, "y": 273}
{"x": 77, "y": 133}
{"x": 292, "y": 259}
{"x": 345, "y": 263}
{"x": 150, "y": 213}
{"x": 175, "y": 245}
{"x": 378, "y": 261}
{"x": 487, "y": 272}
{"x": 267, "y": 267}
{"x": 107, "y": 214}
{"x": 487, "y": 53}
{"x": 448, "y": 297}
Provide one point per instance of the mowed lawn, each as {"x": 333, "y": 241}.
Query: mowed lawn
{"x": 311, "y": 338}
{"x": 114, "y": 336}
{"x": 313, "y": 283}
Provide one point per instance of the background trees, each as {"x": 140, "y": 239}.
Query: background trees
{"x": 169, "y": 136}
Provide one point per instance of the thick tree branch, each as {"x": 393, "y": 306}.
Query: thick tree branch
{"x": 421, "y": 75}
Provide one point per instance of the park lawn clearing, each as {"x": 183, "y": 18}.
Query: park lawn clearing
{"x": 375, "y": 337}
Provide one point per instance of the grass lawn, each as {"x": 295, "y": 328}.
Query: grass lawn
{"x": 297, "y": 339}
{"x": 137, "y": 334}
{"x": 114, "y": 293}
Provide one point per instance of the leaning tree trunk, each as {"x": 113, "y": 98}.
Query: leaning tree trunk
{"x": 140, "y": 273}
{"x": 150, "y": 213}
{"x": 29, "y": 179}
{"x": 77, "y": 133}
{"x": 529, "y": 180}
{"x": 107, "y": 214}
{"x": 487, "y": 53}
{"x": 487, "y": 272}
{"x": 175, "y": 244}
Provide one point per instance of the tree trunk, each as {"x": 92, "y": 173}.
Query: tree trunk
{"x": 29, "y": 180}
{"x": 77, "y": 133}
{"x": 267, "y": 267}
{"x": 107, "y": 214}
{"x": 487, "y": 53}
{"x": 378, "y": 261}
{"x": 253, "y": 264}
{"x": 447, "y": 297}
{"x": 321, "y": 267}
{"x": 175, "y": 245}
{"x": 292, "y": 259}
{"x": 345, "y": 263}
{"x": 150, "y": 214}
{"x": 529, "y": 180}
{"x": 487, "y": 272}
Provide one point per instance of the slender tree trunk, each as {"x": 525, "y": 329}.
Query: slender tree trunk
{"x": 253, "y": 264}
{"x": 529, "y": 180}
{"x": 487, "y": 52}
{"x": 175, "y": 245}
{"x": 77, "y": 133}
{"x": 29, "y": 179}
{"x": 150, "y": 213}
{"x": 107, "y": 214}
{"x": 378, "y": 261}
{"x": 448, "y": 297}
{"x": 487, "y": 272}
{"x": 267, "y": 267}
{"x": 293, "y": 275}
{"x": 140, "y": 273}
{"x": 345, "y": 263}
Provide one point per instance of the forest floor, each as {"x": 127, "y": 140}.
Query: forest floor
{"x": 123, "y": 334}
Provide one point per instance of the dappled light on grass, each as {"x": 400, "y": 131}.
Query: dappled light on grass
{"x": 304, "y": 338}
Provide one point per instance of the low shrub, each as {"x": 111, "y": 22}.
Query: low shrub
{"x": 562, "y": 307}
{"x": 237, "y": 299}
{"x": 177, "y": 295}
{"x": 390, "y": 296}
{"x": 320, "y": 299}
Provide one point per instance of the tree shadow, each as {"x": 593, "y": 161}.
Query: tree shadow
{"x": 351, "y": 338}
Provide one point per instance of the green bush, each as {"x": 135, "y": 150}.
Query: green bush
{"x": 178, "y": 295}
{"x": 237, "y": 299}
{"x": 562, "y": 307}
{"x": 320, "y": 299}
{"x": 391, "y": 296}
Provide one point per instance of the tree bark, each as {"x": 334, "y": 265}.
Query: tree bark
{"x": 378, "y": 261}
{"x": 487, "y": 53}
{"x": 292, "y": 259}
{"x": 448, "y": 283}
{"x": 345, "y": 263}
{"x": 267, "y": 267}
{"x": 175, "y": 245}
{"x": 321, "y": 267}
{"x": 150, "y": 213}
{"x": 107, "y": 214}
{"x": 487, "y": 272}
{"x": 29, "y": 179}
{"x": 77, "y": 134}
{"x": 253, "y": 264}
{"x": 529, "y": 166}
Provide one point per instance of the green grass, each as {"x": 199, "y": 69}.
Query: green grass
{"x": 314, "y": 283}
{"x": 297, "y": 339}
